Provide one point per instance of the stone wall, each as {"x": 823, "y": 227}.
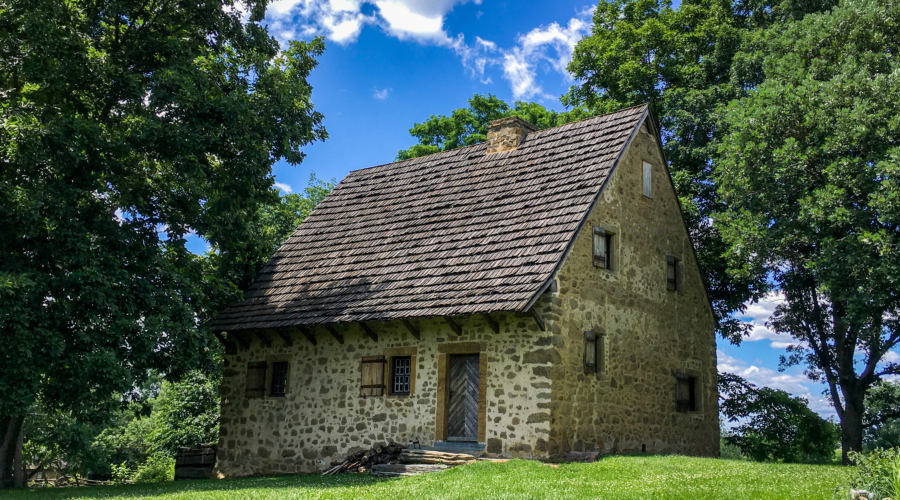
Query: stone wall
{"x": 648, "y": 333}
{"x": 323, "y": 417}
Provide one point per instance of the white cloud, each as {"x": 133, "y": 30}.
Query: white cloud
{"x": 792, "y": 383}
{"x": 381, "y": 94}
{"x": 341, "y": 21}
{"x": 758, "y": 314}
{"x": 891, "y": 357}
{"x": 543, "y": 46}
{"x": 284, "y": 188}
{"x": 547, "y": 48}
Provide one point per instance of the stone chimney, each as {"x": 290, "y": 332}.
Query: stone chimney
{"x": 506, "y": 134}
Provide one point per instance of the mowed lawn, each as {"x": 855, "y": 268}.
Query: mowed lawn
{"x": 619, "y": 478}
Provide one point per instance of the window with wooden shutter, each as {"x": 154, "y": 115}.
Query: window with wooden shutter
{"x": 256, "y": 379}
{"x": 602, "y": 248}
{"x": 647, "y": 179}
{"x": 372, "y": 376}
{"x": 685, "y": 393}
{"x": 671, "y": 273}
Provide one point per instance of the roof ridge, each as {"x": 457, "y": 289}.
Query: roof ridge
{"x": 482, "y": 143}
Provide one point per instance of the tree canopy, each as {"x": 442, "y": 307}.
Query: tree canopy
{"x": 684, "y": 63}
{"x": 809, "y": 173}
{"x": 149, "y": 122}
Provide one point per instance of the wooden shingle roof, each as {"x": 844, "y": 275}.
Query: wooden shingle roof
{"x": 457, "y": 232}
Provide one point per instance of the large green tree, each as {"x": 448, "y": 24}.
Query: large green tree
{"x": 680, "y": 61}
{"x": 126, "y": 126}
{"x": 809, "y": 175}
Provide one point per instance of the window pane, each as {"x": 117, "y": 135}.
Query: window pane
{"x": 279, "y": 378}
{"x": 607, "y": 250}
{"x": 647, "y": 178}
{"x": 400, "y": 375}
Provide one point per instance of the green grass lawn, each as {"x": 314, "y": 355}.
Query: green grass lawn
{"x": 619, "y": 478}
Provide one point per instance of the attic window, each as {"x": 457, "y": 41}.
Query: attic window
{"x": 602, "y": 248}
{"x": 671, "y": 273}
{"x": 648, "y": 177}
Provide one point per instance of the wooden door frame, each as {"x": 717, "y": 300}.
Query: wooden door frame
{"x": 442, "y": 411}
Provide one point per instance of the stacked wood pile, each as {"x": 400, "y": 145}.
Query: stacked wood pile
{"x": 195, "y": 463}
{"x": 392, "y": 460}
{"x": 363, "y": 461}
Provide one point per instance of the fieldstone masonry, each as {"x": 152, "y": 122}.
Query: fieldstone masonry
{"x": 539, "y": 401}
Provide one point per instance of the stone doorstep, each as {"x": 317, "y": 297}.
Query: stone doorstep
{"x": 463, "y": 447}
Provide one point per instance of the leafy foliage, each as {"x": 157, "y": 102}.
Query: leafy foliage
{"x": 809, "y": 171}
{"x": 277, "y": 221}
{"x": 468, "y": 126}
{"x": 158, "y": 468}
{"x": 878, "y": 473}
{"x": 150, "y": 121}
{"x": 186, "y": 413}
{"x": 882, "y": 417}
{"x": 685, "y": 63}
{"x": 774, "y": 426}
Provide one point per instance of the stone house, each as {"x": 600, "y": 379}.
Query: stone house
{"x": 525, "y": 297}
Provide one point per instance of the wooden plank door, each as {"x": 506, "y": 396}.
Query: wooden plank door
{"x": 462, "y": 419}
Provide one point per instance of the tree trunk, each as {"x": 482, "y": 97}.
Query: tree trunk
{"x": 12, "y": 430}
{"x": 851, "y": 428}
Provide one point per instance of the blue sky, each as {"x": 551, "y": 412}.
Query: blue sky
{"x": 392, "y": 63}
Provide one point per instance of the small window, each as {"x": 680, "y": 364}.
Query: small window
{"x": 671, "y": 273}
{"x": 594, "y": 355}
{"x": 279, "y": 378}
{"x": 256, "y": 379}
{"x": 400, "y": 371}
{"x": 372, "y": 376}
{"x": 602, "y": 248}
{"x": 686, "y": 393}
{"x": 648, "y": 177}
{"x": 591, "y": 353}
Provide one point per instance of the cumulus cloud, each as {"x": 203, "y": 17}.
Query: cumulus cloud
{"x": 794, "y": 384}
{"x": 341, "y": 21}
{"x": 546, "y": 48}
{"x": 284, "y": 188}
{"x": 758, "y": 314}
{"x": 550, "y": 47}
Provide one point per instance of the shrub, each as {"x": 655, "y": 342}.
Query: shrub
{"x": 120, "y": 473}
{"x": 157, "y": 469}
{"x": 878, "y": 472}
{"x": 185, "y": 413}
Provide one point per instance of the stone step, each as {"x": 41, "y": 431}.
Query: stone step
{"x": 469, "y": 448}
